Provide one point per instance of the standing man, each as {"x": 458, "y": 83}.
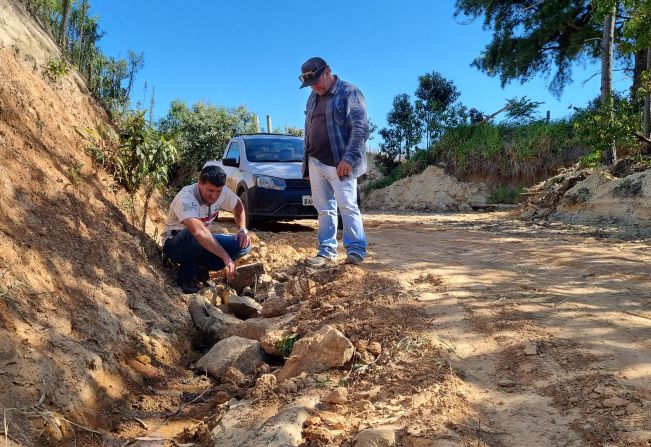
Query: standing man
{"x": 186, "y": 238}
{"x": 336, "y": 130}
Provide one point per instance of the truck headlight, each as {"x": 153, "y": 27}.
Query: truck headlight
{"x": 267, "y": 182}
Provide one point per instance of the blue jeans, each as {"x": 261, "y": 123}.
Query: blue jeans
{"x": 328, "y": 192}
{"x": 184, "y": 249}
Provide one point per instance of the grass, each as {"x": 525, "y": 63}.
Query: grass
{"x": 506, "y": 194}
{"x": 510, "y": 152}
{"x": 286, "y": 344}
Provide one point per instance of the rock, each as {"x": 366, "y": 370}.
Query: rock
{"x": 317, "y": 352}
{"x": 234, "y": 376}
{"x": 248, "y": 291}
{"x": 414, "y": 441}
{"x": 615, "y": 402}
{"x": 301, "y": 287}
{"x": 282, "y": 430}
{"x": 381, "y": 436}
{"x": 366, "y": 357}
{"x": 274, "y": 307}
{"x": 236, "y": 352}
{"x": 375, "y": 348}
{"x": 361, "y": 345}
{"x": 144, "y": 359}
{"x": 246, "y": 276}
{"x": 530, "y": 348}
{"x": 268, "y": 331}
{"x": 337, "y": 396}
{"x": 506, "y": 383}
{"x": 213, "y": 325}
{"x": 264, "y": 385}
{"x": 221, "y": 397}
{"x": 243, "y": 307}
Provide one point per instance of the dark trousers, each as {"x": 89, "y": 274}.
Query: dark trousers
{"x": 184, "y": 249}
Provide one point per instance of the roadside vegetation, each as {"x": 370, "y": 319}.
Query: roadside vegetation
{"x": 516, "y": 146}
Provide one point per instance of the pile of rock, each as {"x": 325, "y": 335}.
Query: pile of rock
{"x": 250, "y": 325}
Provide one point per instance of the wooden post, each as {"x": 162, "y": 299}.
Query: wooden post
{"x": 548, "y": 118}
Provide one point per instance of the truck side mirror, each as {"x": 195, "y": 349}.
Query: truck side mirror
{"x": 230, "y": 162}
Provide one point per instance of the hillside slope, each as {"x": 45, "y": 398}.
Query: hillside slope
{"x": 78, "y": 300}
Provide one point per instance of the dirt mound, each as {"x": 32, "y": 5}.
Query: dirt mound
{"x": 78, "y": 300}
{"x": 431, "y": 190}
{"x": 593, "y": 197}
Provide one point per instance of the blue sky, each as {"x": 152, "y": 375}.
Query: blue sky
{"x": 250, "y": 52}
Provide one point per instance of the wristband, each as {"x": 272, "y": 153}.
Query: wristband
{"x": 243, "y": 230}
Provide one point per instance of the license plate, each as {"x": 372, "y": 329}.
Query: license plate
{"x": 307, "y": 201}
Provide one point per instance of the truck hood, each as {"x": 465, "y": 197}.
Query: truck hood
{"x": 281, "y": 170}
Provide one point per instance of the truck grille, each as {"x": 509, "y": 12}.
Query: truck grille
{"x": 297, "y": 183}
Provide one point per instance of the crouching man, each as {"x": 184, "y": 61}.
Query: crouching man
{"x": 186, "y": 238}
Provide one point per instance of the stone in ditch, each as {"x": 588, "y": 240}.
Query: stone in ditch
{"x": 268, "y": 331}
{"x": 317, "y": 352}
{"x": 246, "y": 276}
{"x": 213, "y": 325}
{"x": 234, "y": 376}
{"x": 375, "y": 348}
{"x": 530, "y": 348}
{"x": 381, "y": 436}
{"x": 248, "y": 291}
{"x": 506, "y": 383}
{"x": 243, "y": 307}
{"x": 235, "y": 352}
{"x": 274, "y": 307}
{"x": 337, "y": 396}
{"x": 301, "y": 287}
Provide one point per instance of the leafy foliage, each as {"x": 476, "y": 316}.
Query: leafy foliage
{"x": 202, "y": 132}
{"x": 78, "y": 36}
{"x": 598, "y": 128}
{"x": 56, "y": 69}
{"x": 534, "y": 37}
{"x": 435, "y": 95}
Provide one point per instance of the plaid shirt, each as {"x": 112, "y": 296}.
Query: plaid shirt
{"x": 347, "y": 126}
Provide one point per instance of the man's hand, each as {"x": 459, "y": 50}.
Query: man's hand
{"x": 243, "y": 238}
{"x": 344, "y": 169}
{"x": 230, "y": 268}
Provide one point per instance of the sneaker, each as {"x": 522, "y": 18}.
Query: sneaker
{"x": 188, "y": 286}
{"x": 353, "y": 259}
{"x": 317, "y": 261}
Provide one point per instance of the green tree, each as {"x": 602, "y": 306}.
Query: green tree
{"x": 435, "y": 95}
{"x": 406, "y": 128}
{"x": 202, "y": 132}
{"x": 535, "y": 37}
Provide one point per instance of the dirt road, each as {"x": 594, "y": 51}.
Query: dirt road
{"x": 493, "y": 332}
{"x": 550, "y": 325}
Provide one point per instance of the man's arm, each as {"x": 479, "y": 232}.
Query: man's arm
{"x": 240, "y": 219}
{"x": 357, "y": 123}
{"x": 205, "y": 239}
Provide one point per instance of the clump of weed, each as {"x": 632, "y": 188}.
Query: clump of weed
{"x": 286, "y": 344}
{"x": 56, "y": 69}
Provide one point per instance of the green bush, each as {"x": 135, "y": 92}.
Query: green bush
{"x": 506, "y": 194}
{"x": 56, "y": 69}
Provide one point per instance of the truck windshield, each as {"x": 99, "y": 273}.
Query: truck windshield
{"x": 260, "y": 150}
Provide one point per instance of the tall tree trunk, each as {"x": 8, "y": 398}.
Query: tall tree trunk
{"x": 607, "y": 47}
{"x": 646, "y": 148}
{"x": 639, "y": 65}
{"x": 65, "y": 15}
{"x": 82, "y": 26}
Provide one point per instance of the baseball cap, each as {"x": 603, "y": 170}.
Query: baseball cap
{"x": 311, "y": 71}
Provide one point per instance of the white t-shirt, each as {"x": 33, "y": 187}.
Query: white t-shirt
{"x": 188, "y": 204}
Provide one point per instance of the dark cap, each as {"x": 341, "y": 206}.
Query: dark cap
{"x": 213, "y": 174}
{"x": 311, "y": 71}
